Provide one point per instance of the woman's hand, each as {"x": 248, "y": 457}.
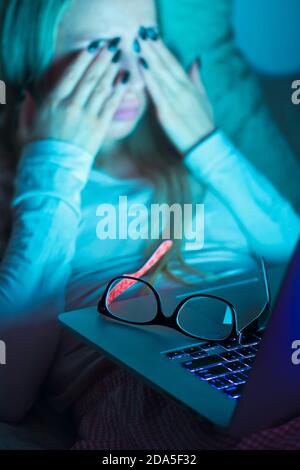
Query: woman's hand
{"x": 183, "y": 108}
{"x": 81, "y": 106}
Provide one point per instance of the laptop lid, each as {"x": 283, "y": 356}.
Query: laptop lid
{"x": 271, "y": 395}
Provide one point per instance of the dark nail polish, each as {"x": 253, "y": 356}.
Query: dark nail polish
{"x": 136, "y": 46}
{"x": 116, "y": 80}
{"x": 143, "y": 63}
{"x": 143, "y": 33}
{"x": 113, "y": 44}
{"x": 152, "y": 34}
{"x": 95, "y": 46}
{"x": 126, "y": 77}
{"x": 117, "y": 57}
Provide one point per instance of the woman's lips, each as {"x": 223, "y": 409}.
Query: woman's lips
{"x": 127, "y": 112}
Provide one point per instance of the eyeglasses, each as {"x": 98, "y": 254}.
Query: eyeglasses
{"x": 130, "y": 299}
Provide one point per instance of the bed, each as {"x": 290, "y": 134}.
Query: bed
{"x": 42, "y": 429}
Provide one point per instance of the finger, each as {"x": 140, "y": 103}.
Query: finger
{"x": 166, "y": 57}
{"x": 194, "y": 74}
{"x": 71, "y": 76}
{"x": 155, "y": 90}
{"x": 161, "y": 102}
{"x": 103, "y": 88}
{"x": 196, "y": 78}
{"x": 108, "y": 110}
{"x": 91, "y": 77}
{"x": 159, "y": 68}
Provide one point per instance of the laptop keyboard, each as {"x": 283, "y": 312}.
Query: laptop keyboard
{"x": 225, "y": 366}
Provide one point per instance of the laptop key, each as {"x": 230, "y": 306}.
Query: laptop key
{"x": 249, "y": 340}
{"x": 233, "y": 392}
{"x": 230, "y": 355}
{"x": 212, "y": 372}
{"x": 249, "y": 361}
{"x": 209, "y": 345}
{"x": 202, "y": 362}
{"x": 192, "y": 349}
{"x": 199, "y": 354}
{"x": 247, "y": 351}
{"x": 231, "y": 344}
{"x": 237, "y": 378}
{"x": 235, "y": 366}
{"x": 174, "y": 354}
{"x": 220, "y": 382}
{"x": 246, "y": 373}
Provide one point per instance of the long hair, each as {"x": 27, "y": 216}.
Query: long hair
{"x": 28, "y": 32}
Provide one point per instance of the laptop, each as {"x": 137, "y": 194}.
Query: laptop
{"x": 239, "y": 388}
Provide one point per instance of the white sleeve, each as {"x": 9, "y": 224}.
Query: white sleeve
{"x": 36, "y": 267}
{"x": 266, "y": 218}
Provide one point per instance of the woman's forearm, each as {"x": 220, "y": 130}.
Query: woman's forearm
{"x": 33, "y": 278}
{"x": 267, "y": 219}
{"x": 36, "y": 269}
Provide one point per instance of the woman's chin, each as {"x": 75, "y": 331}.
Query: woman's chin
{"x": 120, "y": 129}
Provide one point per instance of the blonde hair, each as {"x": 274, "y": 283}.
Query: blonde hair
{"x": 27, "y": 43}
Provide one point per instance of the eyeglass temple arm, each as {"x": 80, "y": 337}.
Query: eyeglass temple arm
{"x": 266, "y": 279}
{"x": 262, "y": 317}
{"x": 254, "y": 325}
{"x": 123, "y": 285}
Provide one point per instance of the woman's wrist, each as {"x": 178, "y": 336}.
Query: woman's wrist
{"x": 52, "y": 169}
{"x": 215, "y": 156}
{"x": 201, "y": 140}
{"x": 59, "y": 153}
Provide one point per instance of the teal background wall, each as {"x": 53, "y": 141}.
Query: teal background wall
{"x": 268, "y": 32}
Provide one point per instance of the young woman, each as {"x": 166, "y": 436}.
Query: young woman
{"x": 108, "y": 111}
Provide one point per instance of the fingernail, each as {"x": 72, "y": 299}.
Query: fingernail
{"x": 152, "y": 34}
{"x": 116, "y": 80}
{"x": 143, "y": 63}
{"x": 136, "y": 46}
{"x": 116, "y": 58}
{"x": 95, "y": 46}
{"x": 143, "y": 33}
{"x": 126, "y": 77}
{"x": 113, "y": 44}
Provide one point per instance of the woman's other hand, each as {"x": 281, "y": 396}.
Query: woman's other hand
{"x": 83, "y": 102}
{"x": 182, "y": 105}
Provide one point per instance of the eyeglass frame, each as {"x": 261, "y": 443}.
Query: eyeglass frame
{"x": 171, "y": 321}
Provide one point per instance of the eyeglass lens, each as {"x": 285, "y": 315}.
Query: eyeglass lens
{"x": 136, "y": 304}
{"x": 201, "y": 316}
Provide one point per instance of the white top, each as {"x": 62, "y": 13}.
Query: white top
{"x": 55, "y": 262}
